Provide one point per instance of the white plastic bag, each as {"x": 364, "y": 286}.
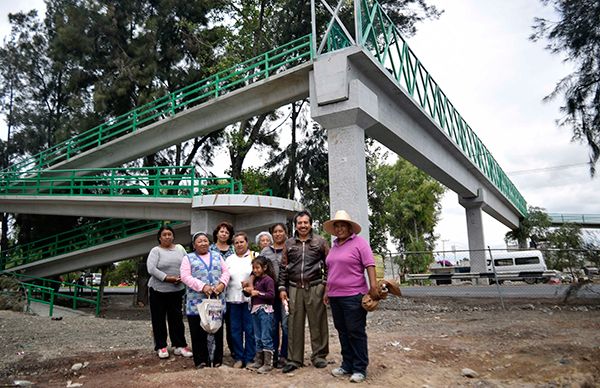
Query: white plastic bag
{"x": 211, "y": 315}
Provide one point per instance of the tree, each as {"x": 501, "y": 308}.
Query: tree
{"x": 408, "y": 207}
{"x": 86, "y": 62}
{"x": 567, "y": 242}
{"x": 406, "y": 14}
{"x": 591, "y": 246}
{"x": 10, "y": 84}
{"x": 123, "y": 271}
{"x": 577, "y": 35}
{"x": 535, "y": 227}
{"x": 255, "y": 181}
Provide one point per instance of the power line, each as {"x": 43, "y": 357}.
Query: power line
{"x": 545, "y": 169}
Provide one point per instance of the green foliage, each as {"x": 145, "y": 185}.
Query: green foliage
{"x": 535, "y": 227}
{"x": 313, "y": 177}
{"x": 591, "y": 246}
{"x": 123, "y": 271}
{"x": 566, "y": 242}
{"x": 255, "y": 181}
{"x": 405, "y": 203}
{"x": 576, "y": 34}
{"x": 406, "y": 14}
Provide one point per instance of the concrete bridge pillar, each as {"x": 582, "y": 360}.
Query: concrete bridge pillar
{"x": 473, "y": 207}
{"x": 247, "y": 213}
{"x": 345, "y": 109}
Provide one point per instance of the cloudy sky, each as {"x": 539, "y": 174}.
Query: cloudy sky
{"x": 480, "y": 54}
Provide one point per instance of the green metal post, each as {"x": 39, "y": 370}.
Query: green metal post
{"x": 173, "y": 103}
{"x": 267, "y": 64}
{"x": 51, "y": 307}
{"x": 357, "y": 22}
{"x": 98, "y": 295}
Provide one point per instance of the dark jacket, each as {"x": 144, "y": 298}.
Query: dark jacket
{"x": 266, "y": 286}
{"x": 303, "y": 262}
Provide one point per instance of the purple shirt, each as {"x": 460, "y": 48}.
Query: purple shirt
{"x": 346, "y": 265}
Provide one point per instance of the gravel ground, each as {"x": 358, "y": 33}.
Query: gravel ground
{"x": 412, "y": 343}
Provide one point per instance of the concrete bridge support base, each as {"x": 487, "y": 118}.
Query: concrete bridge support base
{"x": 248, "y": 213}
{"x": 474, "y": 213}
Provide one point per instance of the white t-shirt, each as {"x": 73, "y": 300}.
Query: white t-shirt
{"x": 240, "y": 268}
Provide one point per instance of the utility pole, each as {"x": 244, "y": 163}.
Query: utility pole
{"x": 444, "y": 251}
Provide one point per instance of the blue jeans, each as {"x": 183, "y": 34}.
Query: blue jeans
{"x": 242, "y": 333}
{"x": 350, "y": 321}
{"x": 263, "y": 330}
{"x": 280, "y": 319}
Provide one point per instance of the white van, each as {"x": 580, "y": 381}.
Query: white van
{"x": 93, "y": 278}
{"x": 525, "y": 265}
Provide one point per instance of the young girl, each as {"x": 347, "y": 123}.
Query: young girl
{"x": 263, "y": 294}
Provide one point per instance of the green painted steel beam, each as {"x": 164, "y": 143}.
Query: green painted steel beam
{"x": 156, "y": 181}
{"x": 83, "y": 237}
{"x": 380, "y": 37}
{"x": 240, "y": 75}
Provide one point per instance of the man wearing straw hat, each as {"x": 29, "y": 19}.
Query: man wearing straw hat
{"x": 348, "y": 258}
{"x": 303, "y": 270}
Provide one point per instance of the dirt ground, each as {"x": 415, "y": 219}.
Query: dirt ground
{"x": 412, "y": 343}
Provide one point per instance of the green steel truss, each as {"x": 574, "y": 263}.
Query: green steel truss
{"x": 243, "y": 74}
{"x": 83, "y": 237}
{"x": 43, "y": 291}
{"x": 380, "y": 37}
{"x": 171, "y": 181}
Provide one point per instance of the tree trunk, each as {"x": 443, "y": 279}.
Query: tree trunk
{"x": 142, "y": 283}
{"x": 292, "y": 168}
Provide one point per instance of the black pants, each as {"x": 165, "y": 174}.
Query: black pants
{"x": 200, "y": 343}
{"x": 227, "y": 324}
{"x": 350, "y": 320}
{"x": 167, "y": 304}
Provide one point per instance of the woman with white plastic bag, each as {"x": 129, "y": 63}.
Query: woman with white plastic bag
{"x": 206, "y": 275}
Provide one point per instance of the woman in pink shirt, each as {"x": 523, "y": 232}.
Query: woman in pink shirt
{"x": 205, "y": 274}
{"x": 347, "y": 260}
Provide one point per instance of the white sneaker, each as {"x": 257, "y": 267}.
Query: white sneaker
{"x": 163, "y": 353}
{"x": 339, "y": 372}
{"x": 185, "y": 352}
{"x": 357, "y": 378}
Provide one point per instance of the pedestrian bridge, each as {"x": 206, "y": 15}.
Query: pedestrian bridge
{"x": 362, "y": 80}
{"x": 583, "y": 220}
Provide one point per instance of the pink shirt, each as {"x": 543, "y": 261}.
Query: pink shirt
{"x": 196, "y": 284}
{"x": 346, "y": 266}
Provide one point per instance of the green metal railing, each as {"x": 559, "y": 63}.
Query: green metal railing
{"x": 119, "y": 182}
{"x": 44, "y": 291}
{"x": 243, "y": 74}
{"x": 83, "y": 237}
{"x": 380, "y": 36}
{"x": 581, "y": 219}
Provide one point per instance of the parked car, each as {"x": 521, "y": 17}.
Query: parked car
{"x": 566, "y": 277}
{"x": 94, "y": 278}
{"x": 590, "y": 271}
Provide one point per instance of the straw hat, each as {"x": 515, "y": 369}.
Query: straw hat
{"x": 341, "y": 215}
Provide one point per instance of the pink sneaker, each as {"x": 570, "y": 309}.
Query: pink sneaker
{"x": 163, "y": 353}
{"x": 185, "y": 352}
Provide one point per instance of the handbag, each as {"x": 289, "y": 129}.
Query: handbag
{"x": 211, "y": 314}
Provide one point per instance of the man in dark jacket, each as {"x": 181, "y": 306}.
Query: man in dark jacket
{"x": 304, "y": 272}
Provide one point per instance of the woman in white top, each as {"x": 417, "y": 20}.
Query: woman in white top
{"x": 238, "y": 305}
{"x": 166, "y": 294}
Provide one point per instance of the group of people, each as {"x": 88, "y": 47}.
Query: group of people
{"x": 268, "y": 295}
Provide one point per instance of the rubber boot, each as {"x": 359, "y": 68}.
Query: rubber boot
{"x": 259, "y": 360}
{"x": 268, "y": 362}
